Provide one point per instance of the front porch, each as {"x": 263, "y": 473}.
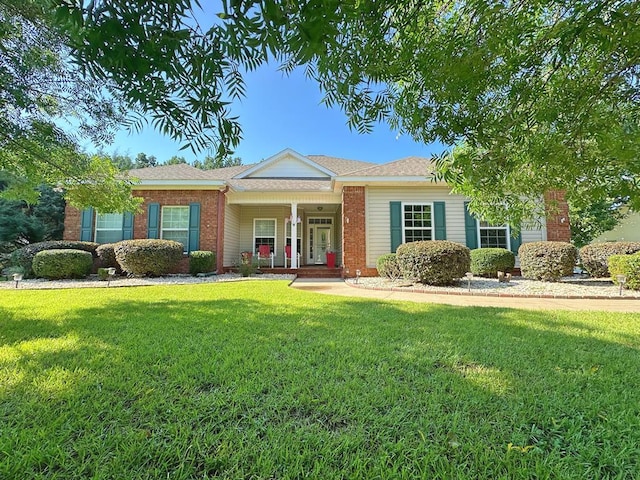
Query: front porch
{"x": 297, "y": 235}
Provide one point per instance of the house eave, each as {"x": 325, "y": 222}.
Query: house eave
{"x": 180, "y": 185}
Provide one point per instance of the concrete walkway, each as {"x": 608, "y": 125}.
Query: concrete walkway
{"x": 338, "y": 287}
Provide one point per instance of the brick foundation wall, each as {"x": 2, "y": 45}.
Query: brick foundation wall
{"x": 354, "y": 249}
{"x": 558, "y": 226}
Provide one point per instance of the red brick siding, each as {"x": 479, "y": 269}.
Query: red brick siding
{"x": 72, "y": 223}
{"x": 208, "y": 215}
{"x": 558, "y": 227}
{"x": 354, "y": 249}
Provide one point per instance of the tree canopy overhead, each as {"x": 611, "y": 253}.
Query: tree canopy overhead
{"x": 46, "y": 108}
{"x": 535, "y": 94}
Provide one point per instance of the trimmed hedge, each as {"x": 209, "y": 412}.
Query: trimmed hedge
{"x": 148, "y": 257}
{"x": 23, "y": 257}
{"x": 201, "y": 261}
{"x": 387, "y": 266}
{"x": 56, "y": 264}
{"x": 547, "y": 261}
{"x": 628, "y": 265}
{"x": 487, "y": 262}
{"x": 434, "y": 262}
{"x": 595, "y": 257}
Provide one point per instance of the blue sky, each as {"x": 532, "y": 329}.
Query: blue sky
{"x": 281, "y": 112}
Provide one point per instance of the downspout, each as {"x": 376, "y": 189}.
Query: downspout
{"x": 220, "y": 230}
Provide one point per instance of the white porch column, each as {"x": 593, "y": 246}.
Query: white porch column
{"x": 294, "y": 235}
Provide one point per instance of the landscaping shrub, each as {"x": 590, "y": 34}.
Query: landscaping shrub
{"x": 547, "y": 261}
{"x": 487, "y": 262}
{"x": 388, "y": 267}
{"x": 628, "y": 265}
{"x": 23, "y": 257}
{"x": 434, "y": 262}
{"x": 55, "y": 264}
{"x": 201, "y": 261}
{"x": 595, "y": 257}
{"x": 107, "y": 257}
{"x": 148, "y": 257}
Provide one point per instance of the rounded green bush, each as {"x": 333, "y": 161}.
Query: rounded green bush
{"x": 595, "y": 257}
{"x": 23, "y": 257}
{"x": 434, "y": 262}
{"x": 148, "y": 257}
{"x": 56, "y": 264}
{"x": 387, "y": 266}
{"x": 201, "y": 261}
{"x": 628, "y": 265}
{"x": 487, "y": 262}
{"x": 547, "y": 261}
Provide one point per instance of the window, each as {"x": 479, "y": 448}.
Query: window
{"x": 264, "y": 233}
{"x": 416, "y": 222}
{"x": 493, "y": 236}
{"x": 288, "y": 235}
{"x": 108, "y": 227}
{"x": 175, "y": 224}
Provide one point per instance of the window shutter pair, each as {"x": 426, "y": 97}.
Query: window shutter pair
{"x": 395, "y": 216}
{"x": 86, "y": 225}
{"x": 153, "y": 224}
{"x": 471, "y": 232}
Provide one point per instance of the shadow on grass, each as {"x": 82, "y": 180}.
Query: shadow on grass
{"x": 282, "y": 377}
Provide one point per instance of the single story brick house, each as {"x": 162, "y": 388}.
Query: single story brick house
{"x": 353, "y": 210}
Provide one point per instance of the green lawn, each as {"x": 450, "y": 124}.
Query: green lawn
{"x": 257, "y": 380}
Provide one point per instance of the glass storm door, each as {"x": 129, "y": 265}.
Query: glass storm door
{"x": 320, "y": 240}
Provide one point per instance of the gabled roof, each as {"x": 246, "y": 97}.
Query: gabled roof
{"x": 286, "y": 153}
{"x": 329, "y": 169}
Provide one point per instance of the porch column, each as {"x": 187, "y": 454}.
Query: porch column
{"x": 294, "y": 235}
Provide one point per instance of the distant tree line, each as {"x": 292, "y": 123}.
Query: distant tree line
{"x": 142, "y": 160}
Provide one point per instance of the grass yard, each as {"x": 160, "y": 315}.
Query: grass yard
{"x": 257, "y": 380}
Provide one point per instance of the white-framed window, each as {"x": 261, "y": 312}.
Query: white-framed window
{"x": 417, "y": 222}
{"x": 493, "y": 236}
{"x": 175, "y": 224}
{"x": 108, "y": 227}
{"x": 264, "y": 233}
{"x": 288, "y": 236}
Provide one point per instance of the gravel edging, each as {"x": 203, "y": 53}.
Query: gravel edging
{"x": 576, "y": 287}
{"x": 119, "y": 282}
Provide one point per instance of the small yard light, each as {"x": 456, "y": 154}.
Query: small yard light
{"x": 622, "y": 279}
{"x": 469, "y": 276}
{"x": 111, "y": 272}
{"x": 358, "y": 273}
{"x": 17, "y": 277}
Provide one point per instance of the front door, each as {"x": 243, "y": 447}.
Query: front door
{"x": 320, "y": 240}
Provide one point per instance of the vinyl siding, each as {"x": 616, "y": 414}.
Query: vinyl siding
{"x": 288, "y": 168}
{"x": 231, "y": 235}
{"x": 279, "y": 198}
{"x": 248, "y": 213}
{"x": 377, "y": 216}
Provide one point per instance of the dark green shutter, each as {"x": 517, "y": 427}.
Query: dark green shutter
{"x": 194, "y": 226}
{"x": 153, "y": 220}
{"x": 395, "y": 218}
{"x": 86, "y": 225}
{"x": 470, "y": 228}
{"x": 439, "y": 223}
{"x": 127, "y": 226}
{"x": 516, "y": 242}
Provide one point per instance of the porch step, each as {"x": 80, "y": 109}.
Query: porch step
{"x": 307, "y": 272}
